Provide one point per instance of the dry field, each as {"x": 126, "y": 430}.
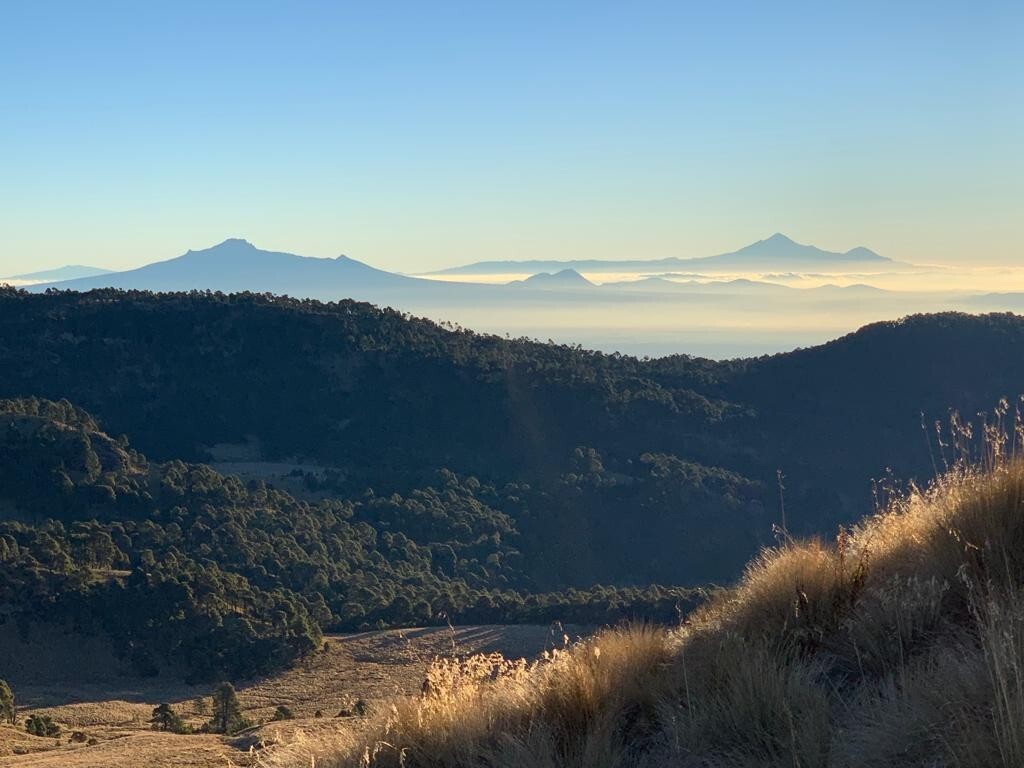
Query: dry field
{"x": 74, "y": 684}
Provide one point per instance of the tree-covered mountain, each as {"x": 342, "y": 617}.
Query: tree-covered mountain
{"x": 437, "y": 470}
{"x": 183, "y": 567}
{"x": 372, "y": 391}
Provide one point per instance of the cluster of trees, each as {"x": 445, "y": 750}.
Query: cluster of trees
{"x": 37, "y": 725}
{"x": 346, "y": 384}
{"x": 42, "y": 725}
{"x": 226, "y": 716}
{"x": 184, "y": 567}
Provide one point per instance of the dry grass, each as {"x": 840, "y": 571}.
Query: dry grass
{"x": 95, "y": 697}
{"x": 899, "y": 644}
{"x": 479, "y": 710}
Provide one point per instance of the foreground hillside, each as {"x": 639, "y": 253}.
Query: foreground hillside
{"x": 901, "y": 643}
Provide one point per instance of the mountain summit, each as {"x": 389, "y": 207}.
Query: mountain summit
{"x": 237, "y": 265}
{"x": 781, "y": 250}
{"x": 566, "y": 279}
{"x": 231, "y": 246}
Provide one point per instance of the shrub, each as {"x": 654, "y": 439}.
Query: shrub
{"x": 42, "y": 725}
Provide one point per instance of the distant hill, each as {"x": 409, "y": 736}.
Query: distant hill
{"x": 776, "y": 253}
{"x": 1012, "y": 301}
{"x": 69, "y": 272}
{"x": 566, "y": 279}
{"x": 737, "y": 287}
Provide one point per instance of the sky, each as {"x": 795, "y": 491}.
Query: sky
{"x": 415, "y": 136}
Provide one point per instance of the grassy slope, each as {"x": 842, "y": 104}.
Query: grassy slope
{"x": 899, "y": 644}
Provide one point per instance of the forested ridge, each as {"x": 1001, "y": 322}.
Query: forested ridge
{"x": 181, "y": 565}
{"x": 468, "y": 477}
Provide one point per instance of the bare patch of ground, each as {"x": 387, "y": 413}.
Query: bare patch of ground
{"x": 284, "y": 476}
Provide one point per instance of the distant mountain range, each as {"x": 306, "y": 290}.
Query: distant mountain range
{"x": 700, "y": 308}
{"x": 238, "y": 265}
{"x": 777, "y": 252}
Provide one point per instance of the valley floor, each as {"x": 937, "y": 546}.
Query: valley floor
{"x": 114, "y": 710}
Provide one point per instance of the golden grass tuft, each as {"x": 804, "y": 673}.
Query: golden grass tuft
{"x": 569, "y": 705}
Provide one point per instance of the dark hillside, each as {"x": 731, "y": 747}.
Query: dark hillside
{"x": 843, "y": 412}
{"x": 644, "y": 470}
{"x": 345, "y": 383}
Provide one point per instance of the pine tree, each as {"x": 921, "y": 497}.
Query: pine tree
{"x": 7, "y": 713}
{"x": 227, "y": 712}
{"x": 166, "y": 719}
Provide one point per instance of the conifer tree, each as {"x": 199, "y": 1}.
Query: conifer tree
{"x": 166, "y": 719}
{"x": 227, "y": 712}
{"x": 7, "y": 713}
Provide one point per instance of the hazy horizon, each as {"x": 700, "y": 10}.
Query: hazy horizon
{"x": 439, "y": 271}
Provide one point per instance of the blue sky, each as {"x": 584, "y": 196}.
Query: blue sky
{"x": 420, "y": 135}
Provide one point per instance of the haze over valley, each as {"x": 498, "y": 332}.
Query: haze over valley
{"x": 767, "y": 297}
